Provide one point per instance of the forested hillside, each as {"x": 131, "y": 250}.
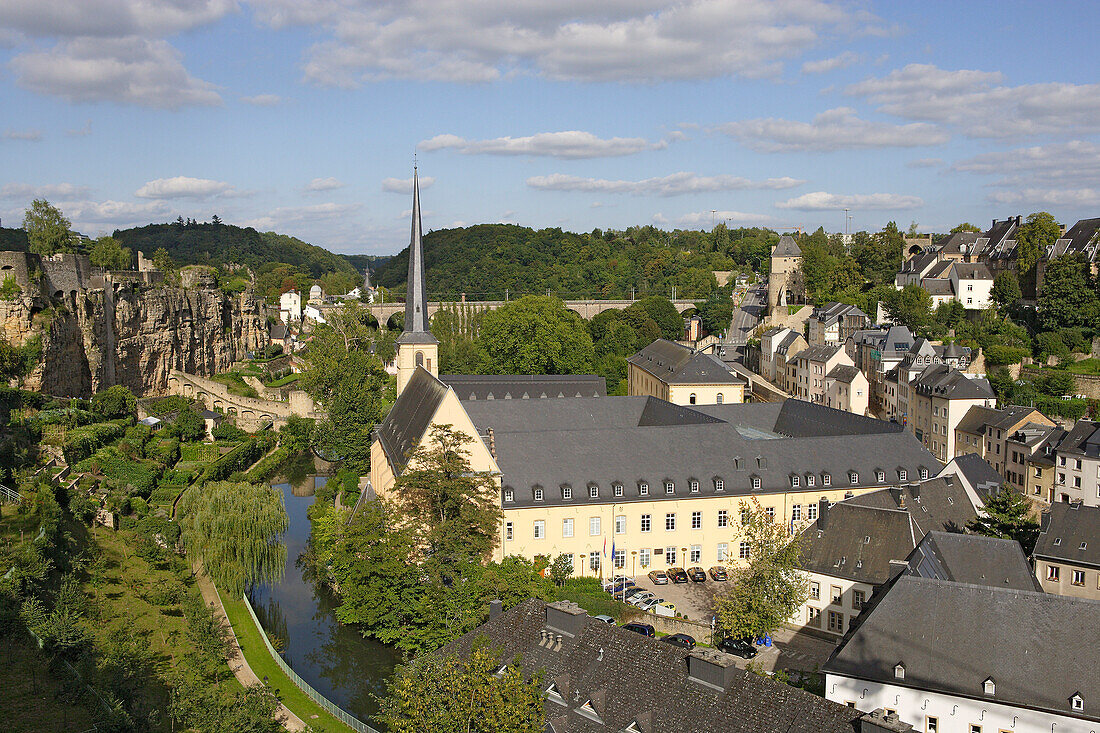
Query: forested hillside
{"x": 484, "y": 261}
{"x": 13, "y": 239}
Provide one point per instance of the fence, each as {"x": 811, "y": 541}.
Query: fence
{"x": 344, "y": 717}
{"x": 7, "y": 494}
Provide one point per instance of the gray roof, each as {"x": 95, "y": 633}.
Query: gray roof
{"x": 786, "y": 247}
{"x": 524, "y": 386}
{"x": 416, "y": 295}
{"x": 843, "y": 373}
{"x": 977, "y": 417}
{"x": 940, "y": 380}
{"x": 920, "y": 263}
{"x": 788, "y": 341}
{"x": 410, "y": 416}
{"x": 958, "y": 242}
{"x": 1082, "y": 440}
{"x": 819, "y": 352}
{"x": 979, "y": 474}
{"x": 1081, "y": 237}
{"x": 972, "y": 271}
{"x": 1066, "y": 529}
{"x": 935, "y": 504}
{"x": 976, "y": 559}
{"x": 937, "y": 286}
{"x": 803, "y": 419}
{"x": 606, "y": 678}
{"x": 856, "y": 542}
{"x": 997, "y": 237}
{"x": 951, "y": 637}
{"x": 674, "y": 363}
{"x": 278, "y": 331}
{"x": 832, "y": 312}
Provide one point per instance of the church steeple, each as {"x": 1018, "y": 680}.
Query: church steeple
{"x": 416, "y": 347}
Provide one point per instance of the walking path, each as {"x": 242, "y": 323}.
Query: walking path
{"x": 237, "y": 662}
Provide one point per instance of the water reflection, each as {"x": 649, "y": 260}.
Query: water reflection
{"x": 336, "y": 660}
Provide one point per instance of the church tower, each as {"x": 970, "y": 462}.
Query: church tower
{"x": 416, "y": 346}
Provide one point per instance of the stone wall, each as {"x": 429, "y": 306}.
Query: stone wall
{"x": 1086, "y": 384}
{"x": 669, "y": 625}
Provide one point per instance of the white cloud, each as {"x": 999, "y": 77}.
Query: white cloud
{"x": 575, "y": 40}
{"x": 1052, "y": 197}
{"x": 31, "y": 136}
{"x": 69, "y": 18}
{"x": 822, "y": 201}
{"x": 834, "y": 129}
{"x": 263, "y": 100}
{"x": 180, "y": 187}
{"x": 1076, "y": 161}
{"x": 284, "y": 216}
{"x": 57, "y": 191}
{"x": 404, "y": 185}
{"x": 87, "y": 214}
{"x": 705, "y": 218}
{"x": 324, "y": 184}
{"x": 925, "y": 163}
{"x": 674, "y": 184}
{"x": 979, "y": 104}
{"x": 842, "y": 61}
{"x": 129, "y": 70}
{"x": 566, "y": 144}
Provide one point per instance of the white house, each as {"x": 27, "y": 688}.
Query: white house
{"x": 290, "y": 306}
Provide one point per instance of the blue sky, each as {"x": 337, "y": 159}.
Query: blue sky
{"x": 303, "y": 116}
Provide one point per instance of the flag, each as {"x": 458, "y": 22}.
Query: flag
{"x": 612, "y": 551}
{"x": 605, "y": 547}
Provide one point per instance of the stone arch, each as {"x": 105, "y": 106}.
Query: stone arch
{"x": 916, "y": 249}
{"x": 396, "y": 322}
{"x": 682, "y": 309}
{"x": 58, "y": 294}
{"x": 248, "y": 414}
{"x": 231, "y": 410}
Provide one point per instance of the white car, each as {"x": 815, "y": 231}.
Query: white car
{"x": 649, "y": 604}
{"x": 639, "y": 598}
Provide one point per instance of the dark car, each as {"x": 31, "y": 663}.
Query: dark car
{"x": 681, "y": 640}
{"x": 617, "y": 590}
{"x": 740, "y": 647}
{"x": 718, "y": 573}
{"x": 643, "y": 629}
{"x": 677, "y": 575}
{"x": 697, "y": 575}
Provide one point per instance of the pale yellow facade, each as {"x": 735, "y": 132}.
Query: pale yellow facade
{"x": 832, "y": 603}
{"x": 642, "y": 383}
{"x": 410, "y": 356}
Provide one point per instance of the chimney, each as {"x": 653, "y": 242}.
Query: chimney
{"x": 880, "y": 721}
{"x": 566, "y": 617}
{"x": 822, "y": 513}
{"x": 496, "y": 608}
{"x": 711, "y": 667}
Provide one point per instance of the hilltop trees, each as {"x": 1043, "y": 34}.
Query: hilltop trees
{"x": 48, "y": 231}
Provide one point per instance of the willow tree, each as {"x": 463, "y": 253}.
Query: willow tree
{"x": 236, "y": 530}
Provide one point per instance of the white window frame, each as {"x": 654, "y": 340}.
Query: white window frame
{"x": 670, "y": 487}
{"x": 594, "y": 526}
{"x": 744, "y": 550}
{"x": 509, "y": 531}
{"x": 719, "y": 485}
{"x": 539, "y": 531}
{"x": 723, "y": 518}
{"x": 696, "y": 520}
{"x": 567, "y": 527}
{"x": 593, "y": 492}
{"x": 643, "y": 489}
{"x": 695, "y": 553}
{"x": 670, "y": 522}
{"x": 618, "y": 489}
{"x": 693, "y": 487}
{"x": 646, "y": 523}
{"x": 509, "y": 495}
{"x": 538, "y": 494}
{"x": 620, "y": 524}
{"x": 566, "y": 493}
{"x": 723, "y": 551}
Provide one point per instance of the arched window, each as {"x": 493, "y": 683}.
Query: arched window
{"x": 691, "y": 399}
{"x": 420, "y": 358}
{"x": 720, "y": 398}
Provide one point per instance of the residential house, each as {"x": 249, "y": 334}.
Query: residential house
{"x": 1077, "y": 473}
{"x": 975, "y": 475}
{"x": 1042, "y": 467}
{"x": 683, "y": 376}
{"x": 847, "y": 389}
{"x": 806, "y": 373}
{"x": 972, "y": 284}
{"x": 290, "y": 306}
{"x": 790, "y": 346}
{"x": 1067, "y": 553}
{"x": 985, "y": 430}
{"x": 939, "y": 398}
{"x": 996, "y": 247}
{"x": 833, "y": 323}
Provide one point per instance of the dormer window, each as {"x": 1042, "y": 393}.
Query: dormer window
{"x": 827, "y": 479}
{"x": 794, "y": 481}
{"x": 670, "y": 488}
{"x": 1084, "y": 546}
{"x": 593, "y": 492}
{"x": 853, "y": 477}
{"x": 643, "y": 489}
{"x": 761, "y": 462}
{"x": 509, "y": 495}
{"x": 719, "y": 485}
{"x": 1077, "y": 702}
{"x": 902, "y": 474}
{"x": 1057, "y": 541}
{"x": 538, "y": 494}
{"x": 618, "y": 488}
{"x": 755, "y": 483}
{"x": 810, "y": 479}
{"x": 880, "y": 476}
{"x": 989, "y": 687}
{"x": 738, "y": 464}
{"x": 693, "y": 486}
{"x": 899, "y": 671}
{"x": 923, "y": 474}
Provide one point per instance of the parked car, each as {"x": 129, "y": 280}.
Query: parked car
{"x": 697, "y": 575}
{"x": 681, "y": 640}
{"x": 605, "y": 618}
{"x": 617, "y": 580}
{"x": 631, "y": 592}
{"x": 740, "y": 647}
{"x": 643, "y": 629}
{"x": 658, "y": 577}
{"x": 639, "y": 598}
{"x": 618, "y": 590}
{"x": 718, "y": 573}
{"x": 677, "y": 575}
{"x": 649, "y": 604}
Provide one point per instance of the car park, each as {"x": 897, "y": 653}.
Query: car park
{"x": 639, "y": 598}
{"x": 605, "y": 618}
{"x": 740, "y": 647}
{"x": 719, "y": 573}
{"x": 629, "y": 593}
{"x": 684, "y": 641}
{"x": 697, "y": 575}
{"x": 658, "y": 577}
{"x": 617, "y": 580}
{"x": 619, "y": 590}
{"x": 648, "y": 604}
{"x": 643, "y": 629}
{"x": 677, "y": 575}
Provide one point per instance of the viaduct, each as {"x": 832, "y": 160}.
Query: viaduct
{"x": 586, "y": 308}
{"x": 251, "y": 413}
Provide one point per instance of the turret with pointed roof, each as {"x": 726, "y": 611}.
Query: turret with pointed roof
{"x": 416, "y": 347}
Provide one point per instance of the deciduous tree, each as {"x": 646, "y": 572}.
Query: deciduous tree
{"x": 1007, "y": 515}
{"x": 48, "y": 231}
{"x": 108, "y": 252}
{"x": 536, "y": 335}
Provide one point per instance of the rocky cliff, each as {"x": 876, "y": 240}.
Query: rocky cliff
{"x": 133, "y": 335}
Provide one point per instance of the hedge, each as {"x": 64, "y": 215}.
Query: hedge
{"x": 237, "y": 459}
{"x": 84, "y": 441}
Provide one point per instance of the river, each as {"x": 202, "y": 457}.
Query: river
{"x": 336, "y": 660}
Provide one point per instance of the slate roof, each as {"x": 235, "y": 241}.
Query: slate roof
{"x": 1006, "y": 418}
{"x": 972, "y": 271}
{"x": 819, "y": 352}
{"x": 606, "y": 678}
{"x": 1080, "y": 238}
{"x": 978, "y": 473}
{"x": 958, "y": 243}
{"x": 524, "y": 386}
{"x": 786, "y": 247}
{"x": 920, "y": 263}
{"x": 951, "y": 637}
{"x": 1071, "y": 526}
{"x": 278, "y": 331}
{"x": 787, "y": 342}
{"x": 969, "y": 558}
{"x": 1082, "y": 440}
{"x": 939, "y": 504}
{"x": 673, "y": 363}
{"x": 941, "y": 270}
{"x": 940, "y": 380}
{"x": 997, "y": 237}
{"x": 410, "y": 416}
{"x": 857, "y": 542}
{"x": 937, "y": 286}
{"x": 803, "y": 419}
{"x": 843, "y": 373}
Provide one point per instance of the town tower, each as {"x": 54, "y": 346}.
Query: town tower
{"x": 416, "y": 347}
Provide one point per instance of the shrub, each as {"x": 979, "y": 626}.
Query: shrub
{"x": 84, "y": 441}
{"x": 116, "y": 401}
{"x": 999, "y": 355}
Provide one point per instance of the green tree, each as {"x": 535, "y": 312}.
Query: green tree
{"x": 1068, "y": 298}
{"x": 770, "y": 589}
{"x": 109, "y": 253}
{"x": 1007, "y": 515}
{"x": 966, "y": 227}
{"x": 48, "y": 231}
{"x": 189, "y": 426}
{"x": 454, "y": 510}
{"x": 561, "y": 569}
{"x": 236, "y": 530}
{"x": 447, "y": 695}
{"x": 1006, "y": 291}
{"x": 911, "y": 307}
{"x": 116, "y": 401}
{"x": 162, "y": 260}
{"x": 663, "y": 313}
{"x": 536, "y": 335}
{"x": 1032, "y": 238}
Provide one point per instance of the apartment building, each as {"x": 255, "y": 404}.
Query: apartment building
{"x": 1077, "y": 471}
{"x": 806, "y": 373}
{"x": 776, "y": 344}
{"x": 847, "y": 389}
{"x": 834, "y": 322}
{"x": 683, "y": 376}
{"x": 940, "y": 396}
{"x": 986, "y": 430}
{"x": 1067, "y": 553}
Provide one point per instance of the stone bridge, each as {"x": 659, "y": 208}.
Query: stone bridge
{"x": 588, "y": 309}
{"x": 250, "y": 413}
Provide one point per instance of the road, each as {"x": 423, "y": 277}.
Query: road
{"x": 746, "y": 317}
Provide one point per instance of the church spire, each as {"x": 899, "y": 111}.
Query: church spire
{"x": 416, "y": 296}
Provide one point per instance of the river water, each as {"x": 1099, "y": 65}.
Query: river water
{"x": 336, "y": 660}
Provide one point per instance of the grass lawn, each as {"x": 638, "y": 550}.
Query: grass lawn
{"x": 32, "y": 700}
{"x": 283, "y": 382}
{"x": 235, "y": 383}
{"x": 13, "y": 526}
{"x": 261, "y": 662}
{"x": 1086, "y": 366}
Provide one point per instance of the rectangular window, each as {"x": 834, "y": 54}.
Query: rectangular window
{"x": 593, "y": 492}
{"x": 696, "y": 553}
{"x": 902, "y": 475}
{"x": 836, "y": 622}
{"x": 743, "y": 550}
{"x": 670, "y": 522}
{"x": 1077, "y": 464}
{"x": 644, "y": 558}
{"x": 509, "y": 495}
{"x": 756, "y": 483}
{"x": 770, "y": 512}
{"x": 827, "y": 480}
{"x": 796, "y": 512}
{"x": 813, "y": 619}
{"x": 835, "y": 593}
{"x": 540, "y": 529}
{"x": 723, "y": 518}
{"x": 694, "y": 487}
{"x": 566, "y": 492}
{"x": 858, "y": 598}
{"x": 647, "y": 523}
{"x": 594, "y": 526}
{"x": 670, "y": 488}
{"x": 620, "y": 524}
{"x": 696, "y": 520}
{"x": 794, "y": 481}
{"x": 538, "y": 494}
{"x": 811, "y": 512}
{"x": 670, "y": 555}
{"x": 880, "y": 476}
{"x": 567, "y": 527}
{"x": 618, "y": 489}
{"x": 815, "y": 590}
{"x": 594, "y": 561}
{"x": 509, "y": 531}
{"x": 932, "y": 724}
{"x": 853, "y": 478}
{"x": 975, "y": 728}
{"x": 1078, "y": 577}
{"x": 810, "y": 479}
{"x": 1053, "y": 573}
{"x": 643, "y": 490}
{"x": 723, "y": 550}
{"x": 719, "y": 485}
{"x": 620, "y": 559}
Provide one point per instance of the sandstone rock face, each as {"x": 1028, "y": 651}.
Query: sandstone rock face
{"x": 134, "y": 336}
